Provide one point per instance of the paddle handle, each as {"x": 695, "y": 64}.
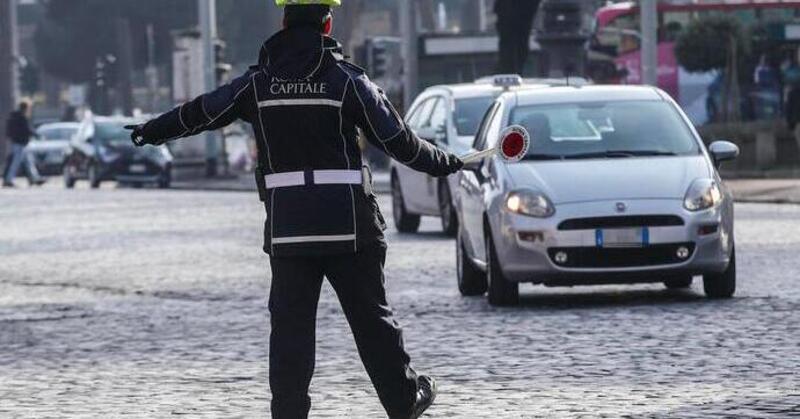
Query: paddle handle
{"x": 478, "y": 155}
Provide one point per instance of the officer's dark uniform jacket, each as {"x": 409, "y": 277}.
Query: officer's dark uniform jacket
{"x": 305, "y": 104}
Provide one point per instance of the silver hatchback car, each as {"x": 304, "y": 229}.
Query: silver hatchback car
{"x": 617, "y": 187}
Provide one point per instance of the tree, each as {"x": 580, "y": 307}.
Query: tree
{"x": 514, "y": 25}
{"x": 716, "y": 43}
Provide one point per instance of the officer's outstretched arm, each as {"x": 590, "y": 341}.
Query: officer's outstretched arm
{"x": 384, "y": 128}
{"x": 207, "y": 112}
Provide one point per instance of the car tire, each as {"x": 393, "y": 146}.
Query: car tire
{"x": 721, "y": 285}
{"x": 471, "y": 280}
{"x": 69, "y": 177}
{"x": 447, "y": 211}
{"x": 501, "y": 291}
{"x": 94, "y": 176}
{"x": 679, "y": 283}
{"x": 403, "y": 220}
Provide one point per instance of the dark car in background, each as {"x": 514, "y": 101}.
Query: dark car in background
{"x": 101, "y": 151}
{"x": 51, "y": 145}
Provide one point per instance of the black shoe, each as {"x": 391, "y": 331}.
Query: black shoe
{"x": 8, "y": 185}
{"x": 39, "y": 182}
{"x": 426, "y": 394}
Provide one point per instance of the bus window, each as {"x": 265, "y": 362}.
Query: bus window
{"x": 783, "y": 14}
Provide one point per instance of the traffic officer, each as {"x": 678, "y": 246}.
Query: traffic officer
{"x": 305, "y": 103}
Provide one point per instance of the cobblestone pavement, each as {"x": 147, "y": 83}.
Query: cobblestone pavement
{"x": 143, "y": 303}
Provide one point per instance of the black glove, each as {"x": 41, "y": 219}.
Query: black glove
{"x": 137, "y": 136}
{"x": 452, "y": 165}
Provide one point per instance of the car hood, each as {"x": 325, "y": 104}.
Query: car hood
{"x": 608, "y": 179}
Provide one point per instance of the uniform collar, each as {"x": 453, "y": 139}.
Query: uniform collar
{"x": 298, "y": 53}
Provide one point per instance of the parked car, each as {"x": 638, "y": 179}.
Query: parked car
{"x": 101, "y": 150}
{"x": 617, "y": 188}
{"x": 447, "y": 116}
{"x": 50, "y": 147}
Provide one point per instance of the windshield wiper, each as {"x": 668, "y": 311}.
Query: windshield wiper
{"x": 601, "y": 154}
{"x": 619, "y": 154}
{"x": 535, "y": 156}
{"x": 651, "y": 153}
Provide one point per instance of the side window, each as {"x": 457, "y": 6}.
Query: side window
{"x": 439, "y": 116}
{"x": 493, "y": 131}
{"x": 427, "y": 112}
{"x": 412, "y": 119}
{"x": 480, "y": 137}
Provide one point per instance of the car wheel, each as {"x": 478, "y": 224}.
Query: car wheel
{"x": 447, "y": 211}
{"x": 166, "y": 180}
{"x": 471, "y": 280}
{"x": 501, "y": 291}
{"x": 69, "y": 177}
{"x": 94, "y": 176}
{"x": 678, "y": 283}
{"x": 403, "y": 221}
{"x": 722, "y": 285}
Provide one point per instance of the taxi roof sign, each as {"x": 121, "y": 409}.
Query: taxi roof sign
{"x": 505, "y": 81}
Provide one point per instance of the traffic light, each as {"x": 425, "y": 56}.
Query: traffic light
{"x": 221, "y": 68}
{"x": 28, "y": 76}
{"x": 378, "y": 58}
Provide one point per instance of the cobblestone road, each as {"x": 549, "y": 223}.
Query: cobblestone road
{"x": 140, "y": 303}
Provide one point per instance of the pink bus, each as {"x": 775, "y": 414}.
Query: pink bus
{"x": 614, "y": 51}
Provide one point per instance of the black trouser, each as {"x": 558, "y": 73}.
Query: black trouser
{"x": 358, "y": 281}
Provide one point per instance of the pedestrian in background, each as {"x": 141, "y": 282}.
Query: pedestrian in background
{"x": 18, "y": 130}
{"x": 791, "y": 76}
{"x": 305, "y": 103}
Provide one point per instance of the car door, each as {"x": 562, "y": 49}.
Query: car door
{"x": 472, "y": 183}
{"x": 415, "y": 184}
{"x": 434, "y": 131}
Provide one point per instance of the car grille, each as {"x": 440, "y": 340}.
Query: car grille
{"x": 600, "y": 257}
{"x": 621, "y": 222}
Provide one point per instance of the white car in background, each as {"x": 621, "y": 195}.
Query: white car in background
{"x": 447, "y": 116}
{"x": 50, "y": 148}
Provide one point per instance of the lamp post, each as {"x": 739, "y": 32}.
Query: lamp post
{"x": 9, "y": 90}
{"x": 649, "y": 20}
{"x": 408, "y": 23}
{"x": 207, "y": 17}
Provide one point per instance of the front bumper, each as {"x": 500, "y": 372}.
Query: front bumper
{"x": 133, "y": 171}
{"x": 527, "y": 246}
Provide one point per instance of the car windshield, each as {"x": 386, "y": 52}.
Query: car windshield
{"x": 56, "y": 134}
{"x": 112, "y": 133}
{"x": 469, "y": 113}
{"x": 605, "y": 130}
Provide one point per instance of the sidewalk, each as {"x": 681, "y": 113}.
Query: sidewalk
{"x": 779, "y": 191}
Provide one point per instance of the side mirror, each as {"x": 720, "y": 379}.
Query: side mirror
{"x": 722, "y": 151}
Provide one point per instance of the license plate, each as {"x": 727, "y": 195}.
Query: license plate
{"x": 137, "y": 168}
{"x": 622, "y": 237}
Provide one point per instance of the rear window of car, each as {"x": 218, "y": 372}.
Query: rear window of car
{"x": 111, "y": 132}
{"x": 469, "y": 113}
{"x": 56, "y": 134}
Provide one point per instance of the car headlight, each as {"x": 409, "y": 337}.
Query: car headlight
{"x": 702, "y": 194}
{"x": 530, "y": 203}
